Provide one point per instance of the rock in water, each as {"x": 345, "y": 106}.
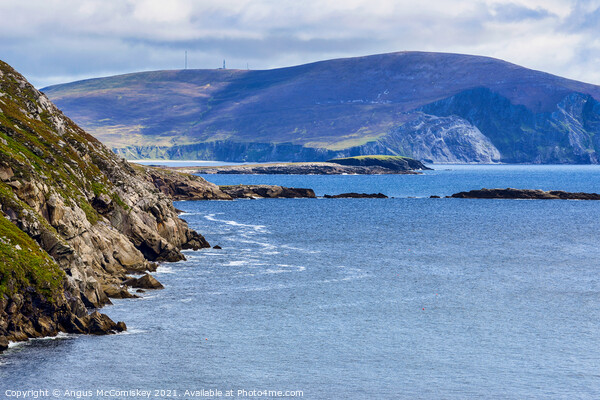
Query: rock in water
{"x": 510, "y": 193}
{"x": 145, "y": 282}
{"x": 101, "y": 324}
{"x": 266, "y": 192}
{"x": 353, "y": 195}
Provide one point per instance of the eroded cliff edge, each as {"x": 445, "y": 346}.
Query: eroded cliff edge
{"x": 74, "y": 220}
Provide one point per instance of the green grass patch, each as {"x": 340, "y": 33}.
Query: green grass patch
{"x": 24, "y": 264}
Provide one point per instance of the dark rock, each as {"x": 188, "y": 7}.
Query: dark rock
{"x": 510, "y": 193}
{"x": 101, "y": 324}
{"x": 3, "y": 343}
{"x": 140, "y": 291}
{"x": 356, "y": 196}
{"x": 217, "y": 247}
{"x": 145, "y": 282}
{"x": 266, "y": 191}
{"x": 434, "y": 197}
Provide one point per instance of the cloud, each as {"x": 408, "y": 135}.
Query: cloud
{"x": 54, "y": 40}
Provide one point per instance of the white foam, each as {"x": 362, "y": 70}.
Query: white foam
{"x": 211, "y": 217}
{"x": 235, "y": 263}
{"x": 132, "y": 331}
{"x": 164, "y": 270}
{"x": 186, "y": 300}
{"x": 59, "y": 336}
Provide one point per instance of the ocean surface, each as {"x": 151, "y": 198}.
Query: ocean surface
{"x": 400, "y": 298}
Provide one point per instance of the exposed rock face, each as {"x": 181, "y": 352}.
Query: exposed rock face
{"x": 353, "y": 195}
{"x": 510, "y": 193}
{"x": 569, "y": 134}
{"x": 182, "y": 186}
{"x": 439, "y": 139}
{"x": 314, "y": 168}
{"x": 266, "y": 192}
{"x": 74, "y": 219}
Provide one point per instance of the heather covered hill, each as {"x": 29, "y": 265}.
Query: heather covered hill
{"x": 434, "y": 106}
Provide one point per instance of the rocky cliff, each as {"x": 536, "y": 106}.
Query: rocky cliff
{"x": 74, "y": 220}
{"x": 516, "y": 134}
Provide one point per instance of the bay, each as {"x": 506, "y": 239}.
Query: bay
{"x": 362, "y": 298}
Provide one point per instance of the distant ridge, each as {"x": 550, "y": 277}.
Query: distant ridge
{"x": 437, "y": 107}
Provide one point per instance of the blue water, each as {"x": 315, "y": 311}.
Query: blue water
{"x": 396, "y": 298}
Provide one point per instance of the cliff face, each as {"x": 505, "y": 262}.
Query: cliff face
{"x": 75, "y": 219}
{"x": 568, "y": 134}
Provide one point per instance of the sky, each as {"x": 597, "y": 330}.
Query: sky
{"x": 58, "y": 41}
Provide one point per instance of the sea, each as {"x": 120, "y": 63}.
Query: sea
{"x": 409, "y": 297}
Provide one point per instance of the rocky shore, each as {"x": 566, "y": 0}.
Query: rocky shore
{"x": 304, "y": 168}
{"x": 510, "y": 193}
{"x": 75, "y": 220}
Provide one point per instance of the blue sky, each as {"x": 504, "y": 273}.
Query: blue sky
{"x": 56, "y": 41}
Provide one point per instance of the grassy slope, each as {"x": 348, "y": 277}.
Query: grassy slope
{"x": 332, "y": 104}
{"x": 30, "y": 146}
{"x": 24, "y": 264}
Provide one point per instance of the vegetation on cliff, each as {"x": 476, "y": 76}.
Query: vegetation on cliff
{"x": 74, "y": 220}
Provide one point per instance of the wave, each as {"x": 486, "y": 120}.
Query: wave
{"x": 211, "y": 217}
{"x": 235, "y": 263}
{"x": 164, "y": 270}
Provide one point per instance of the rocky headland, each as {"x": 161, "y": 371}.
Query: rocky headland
{"x": 510, "y": 193}
{"x": 75, "y": 220}
{"x": 332, "y": 167}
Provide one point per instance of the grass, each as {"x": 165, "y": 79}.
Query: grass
{"x": 24, "y": 264}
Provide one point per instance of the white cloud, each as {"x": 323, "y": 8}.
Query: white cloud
{"x": 55, "y": 39}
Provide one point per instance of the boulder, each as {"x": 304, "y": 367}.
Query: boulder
{"x": 101, "y": 324}
{"x": 117, "y": 292}
{"x": 145, "y": 282}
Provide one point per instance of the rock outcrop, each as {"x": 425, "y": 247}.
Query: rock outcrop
{"x": 394, "y": 163}
{"x": 180, "y": 185}
{"x": 353, "y": 195}
{"x": 266, "y": 192}
{"x": 74, "y": 219}
{"x": 510, "y": 193}
{"x": 305, "y": 168}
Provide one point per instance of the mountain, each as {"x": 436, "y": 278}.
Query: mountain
{"x": 433, "y": 106}
{"x": 75, "y": 219}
